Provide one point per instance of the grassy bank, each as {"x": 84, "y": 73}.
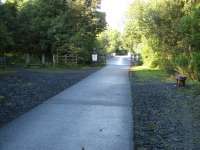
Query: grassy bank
{"x": 6, "y": 71}
{"x": 48, "y": 68}
{"x": 146, "y": 74}
{"x": 166, "y": 117}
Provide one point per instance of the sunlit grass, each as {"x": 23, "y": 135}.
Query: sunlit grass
{"x": 7, "y": 71}
{"x": 63, "y": 68}
{"x": 145, "y": 73}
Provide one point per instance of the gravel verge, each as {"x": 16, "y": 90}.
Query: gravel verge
{"x": 25, "y": 89}
{"x": 164, "y": 117}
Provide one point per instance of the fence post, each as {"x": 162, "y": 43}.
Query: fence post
{"x": 27, "y": 59}
{"x": 76, "y": 59}
{"x": 57, "y": 60}
{"x": 54, "y": 59}
{"x": 66, "y": 59}
{"x": 43, "y": 59}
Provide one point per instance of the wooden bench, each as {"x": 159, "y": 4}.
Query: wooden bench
{"x": 180, "y": 81}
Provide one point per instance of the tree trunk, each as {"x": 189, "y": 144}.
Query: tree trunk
{"x": 27, "y": 59}
{"x": 54, "y": 59}
{"x": 43, "y": 59}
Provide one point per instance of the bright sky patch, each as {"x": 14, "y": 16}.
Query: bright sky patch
{"x": 115, "y": 12}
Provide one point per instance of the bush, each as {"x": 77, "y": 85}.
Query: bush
{"x": 195, "y": 65}
{"x": 181, "y": 63}
{"x": 149, "y": 57}
{"x": 167, "y": 65}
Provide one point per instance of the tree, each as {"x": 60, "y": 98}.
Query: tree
{"x": 110, "y": 40}
{"x": 8, "y": 26}
{"x": 61, "y": 25}
{"x": 167, "y": 29}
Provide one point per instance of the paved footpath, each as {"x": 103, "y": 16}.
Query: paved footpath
{"x": 94, "y": 114}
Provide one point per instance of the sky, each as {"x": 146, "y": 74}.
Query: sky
{"x": 115, "y": 12}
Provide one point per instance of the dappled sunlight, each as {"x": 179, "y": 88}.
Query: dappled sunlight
{"x": 138, "y": 68}
{"x": 145, "y": 73}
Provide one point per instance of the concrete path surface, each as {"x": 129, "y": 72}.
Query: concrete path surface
{"x": 94, "y": 114}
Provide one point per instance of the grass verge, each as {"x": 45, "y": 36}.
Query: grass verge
{"x": 7, "y": 71}
{"x": 49, "y": 68}
{"x": 63, "y": 68}
{"x": 166, "y": 117}
{"x": 145, "y": 74}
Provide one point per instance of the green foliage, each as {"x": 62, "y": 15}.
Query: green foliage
{"x": 49, "y": 26}
{"x": 190, "y": 28}
{"x": 182, "y": 62}
{"x": 7, "y": 26}
{"x": 149, "y": 56}
{"x": 195, "y": 65}
{"x": 169, "y": 32}
{"x": 110, "y": 40}
{"x": 146, "y": 74}
{"x": 132, "y": 35}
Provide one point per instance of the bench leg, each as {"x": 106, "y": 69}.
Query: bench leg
{"x": 180, "y": 83}
{"x": 177, "y": 83}
{"x": 183, "y": 83}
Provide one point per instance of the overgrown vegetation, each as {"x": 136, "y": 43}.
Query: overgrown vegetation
{"x": 146, "y": 74}
{"x": 167, "y": 34}
{"x": 110, "y": 40}
{"x": 42, "y": 28}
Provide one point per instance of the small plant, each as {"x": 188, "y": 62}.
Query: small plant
{"x": 2, "y": 99}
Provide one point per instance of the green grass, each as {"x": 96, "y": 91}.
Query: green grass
{"x": 62, "y": 68}
{"x": 192, "y": 88}
{"x": 49, "y": 68}
{"x": 144, "y": 74}
{"x": 7, "y": 71}
{"x": 2, "y": 99}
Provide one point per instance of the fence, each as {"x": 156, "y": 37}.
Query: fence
{"x": 66, "y": 59}
{"x": 3, "y": 61}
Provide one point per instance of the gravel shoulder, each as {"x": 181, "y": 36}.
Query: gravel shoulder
{"x": 22, "y": 90}
{"x": 165, "y": 116}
